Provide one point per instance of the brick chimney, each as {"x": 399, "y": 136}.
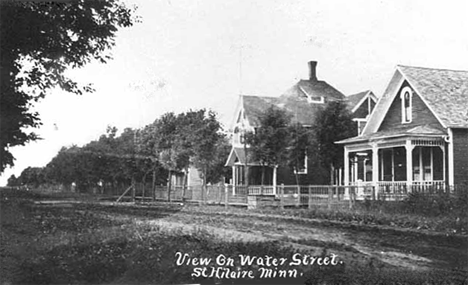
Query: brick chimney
{"x": 312, "y": 70}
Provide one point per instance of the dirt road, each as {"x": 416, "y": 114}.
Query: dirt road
{"x": 36, "y": 233}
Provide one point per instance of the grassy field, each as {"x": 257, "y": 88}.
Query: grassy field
{"x": 58, "y": 239}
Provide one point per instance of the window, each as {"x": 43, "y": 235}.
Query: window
{"x": 315, "y": 99}
{"x": 303, "y": 167}
{"x": 406, "y": 105}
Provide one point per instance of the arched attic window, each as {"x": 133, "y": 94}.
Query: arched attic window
{"x": 406, "y": 97}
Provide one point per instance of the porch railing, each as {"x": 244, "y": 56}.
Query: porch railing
{"x": 261, "y": 190}
{"x": 400, "y": 189}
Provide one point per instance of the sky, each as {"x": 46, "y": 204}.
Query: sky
{"x": 189, "y": 54}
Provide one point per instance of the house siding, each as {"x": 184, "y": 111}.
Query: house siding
{"x": 315, "y": 175}
{"x": 460, "y": 149}
{"x": 362, "y": 111}
{"x": 421, "y": 114}
{"x": 372, "y": 105}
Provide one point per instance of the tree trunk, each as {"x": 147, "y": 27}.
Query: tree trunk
{"x": 184, "y": 185}
{"x": 204, "y": 196}
{"x": 297, "y": 177}
{"x": 153, "y": 184}
{"x": 169, "y": 182}
{"x": 332, "y": 174}
{"x": 134, "y": 188}
{"x": 263, "y": 175}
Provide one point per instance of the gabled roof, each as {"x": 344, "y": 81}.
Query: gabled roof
{"x": 445, "y": 91}
{"x": 294, "y": 101}
{"x": 312, "y": 88}
{"x": 254, "y": 106}
{"x": 354, "y": 101}
{"x": 298, "y": 100}
{"x": 237, "y": 155}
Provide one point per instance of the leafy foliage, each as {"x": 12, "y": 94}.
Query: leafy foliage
{"x": 298, "y": 146}
{"x": 190, "y": 138}
{"x": 277, "y": 141}
{"x": 332, "y": 123}
{"x": 171, "y": 144}
{"x": 268, "y": 143}
{"x": 108, "y": 162}
{"x": 13, "y": 181}
{"x": 40, "y": 41}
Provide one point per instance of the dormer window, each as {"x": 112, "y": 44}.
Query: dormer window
{"x": 406, "y": 97}
{"x": 316, "y": 99}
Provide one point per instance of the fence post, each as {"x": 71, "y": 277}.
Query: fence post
{"x": 310, "y": 197}
{"x": 352, "y": 196}
{"x": 298, "y": 200}
{"x": 330, "y": 193}
{"x": 203, "y": 194}
{"x": 226, "y": 197}
{"x": 281, "y": 194}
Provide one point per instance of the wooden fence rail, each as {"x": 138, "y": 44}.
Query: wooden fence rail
{"x": 309, "y": 196}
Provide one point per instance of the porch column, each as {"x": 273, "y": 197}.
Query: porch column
{"x": 340, "y": 176}
{"x": 274, "y": 179}
{"x": 346, "y": 166}
{"x": 451, "y": 164}
{"x": 444, "y": 169}
{"x": 346, "y": 172}
{"x": 234, "y": 180}
{"x": 409, "y": 162}
{"x": 375, "y": 168}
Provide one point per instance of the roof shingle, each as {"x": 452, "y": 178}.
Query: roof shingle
{"x": 294, "y": 101}
{"x": 445, "y": 91}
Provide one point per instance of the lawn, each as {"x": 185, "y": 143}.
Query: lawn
{"x": 58, "y": 239}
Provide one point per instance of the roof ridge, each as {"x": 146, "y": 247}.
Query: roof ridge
{"x": 259, "y": 96}
{"x": 365, "y": 91}
{"x": 431, "y": 68}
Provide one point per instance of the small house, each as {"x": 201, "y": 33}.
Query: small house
{"x": 417, "y": 136}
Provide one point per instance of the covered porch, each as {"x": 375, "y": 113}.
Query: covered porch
{"x": 396, "y": 166}
{"x": 245, "y": 172}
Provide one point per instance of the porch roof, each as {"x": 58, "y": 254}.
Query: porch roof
{"x": 419, "y": 131}
{"x": 237, "y": 155}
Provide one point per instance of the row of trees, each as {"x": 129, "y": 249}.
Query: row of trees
{"x": 277, "y": 141}
{"x": 172, "y": 144}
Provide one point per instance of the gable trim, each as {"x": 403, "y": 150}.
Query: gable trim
{"x": 229, "y": 161}
{"x": 422, "y": 98}
{"x": 380, "y": 116}
{"x": 362, "y": 100}
{"x": 239, "y": 108}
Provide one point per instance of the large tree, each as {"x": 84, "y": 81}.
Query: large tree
{"x": 207, "y": 142}
{"x": 332, "y": 123}
{"x": 298, "y": 146}
{"x": 39, "y": 42}
{"x": 268, "y": 144}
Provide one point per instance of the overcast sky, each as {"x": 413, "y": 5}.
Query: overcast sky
{"x": 203, "y": 54}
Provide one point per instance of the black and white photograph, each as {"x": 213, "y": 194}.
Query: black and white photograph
{"x": 233, "y": 142}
